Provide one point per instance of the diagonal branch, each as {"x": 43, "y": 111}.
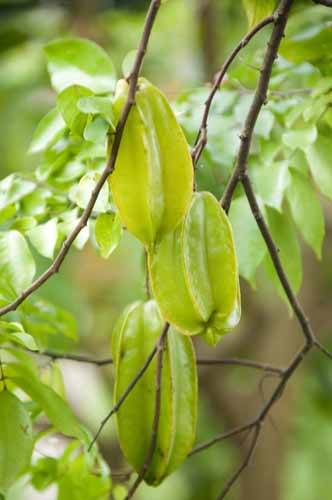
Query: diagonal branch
{"x": 201, "y": 139}
{"x": 259, "y": 100}
{"x": 55, "y": 266}
{"x": 155, "y": 425}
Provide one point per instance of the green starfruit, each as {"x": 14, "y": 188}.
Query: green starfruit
{"x": 194, "y": 272}
{"x": 133, "y": 339}
{"x": 16, "y": 440}
{"x": 153, "y": 177}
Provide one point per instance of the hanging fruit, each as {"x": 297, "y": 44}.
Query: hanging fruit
{"x": 153, "y": 177}
{"x": 194, "y": 272}
{"x": 134, "y": 337}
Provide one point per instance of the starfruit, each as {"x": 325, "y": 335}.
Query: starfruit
{"x": 153, "y": 178}
{"x": 133, "y": 339}
{"x": 194, "y": 272}
{"x": 15, "y": 439}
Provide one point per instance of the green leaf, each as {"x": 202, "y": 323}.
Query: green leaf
{"x": 16, "y": 441}
{"x": 76, "y": 61}
{"x": 77, "y": 481}
{"x": 284, "y": 236}
{"x": 306, "y": 211}
{"x": 67, "y": 102}
{"x": 249, "y": 243}
{"x": 13, "y": 189}
{"x": 271, "y": 183}
{"x": 313, "y": 44}
{"x": 44, "y": 238}
{"x": 44, "y": 472}
{"x": 128, "y": 63}
{"x": 48, "y": 131}
{"x": 57, "y": 410}
{"x": 119, "y": 492}
{"x": 319, "y": 156}
{"x": 24, "y": 224}
{"x": 96, "y": 131}
{"x": 81, "y": 193}
{"x": 16, "y": 262}
{"x": 300, "y": 138}
{"x": 98, "y": 106}
{"x": 256, "y": 10}
{"x": 108, "y": 231}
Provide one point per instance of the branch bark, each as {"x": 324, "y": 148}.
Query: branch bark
{"x": 280, "y": 20}
{"x": 55, "y": 267}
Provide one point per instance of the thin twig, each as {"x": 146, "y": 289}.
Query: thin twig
{"x": 241, "y": 362}
{"x": 155, "y": 425}
{"x": 79, "y": 358}
{"x": 130, "y": 387}
{"x": 55, "y": 266}
{"x": 201, "y": 139}
{"x": 273, "y": 251}
{"x": 280, "y": 20}
{"x": 243, "y": 465}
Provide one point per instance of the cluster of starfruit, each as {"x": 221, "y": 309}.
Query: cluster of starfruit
{"x": 194, "y": 276}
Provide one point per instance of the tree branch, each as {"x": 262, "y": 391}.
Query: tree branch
{"x": 155, "y": 425}
{"x": 201, "y": 139}
{"x": 132, "y": 384}
{"x": 280, "y": 20}
{"x": 54, "y": 268}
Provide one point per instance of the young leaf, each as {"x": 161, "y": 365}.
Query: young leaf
{"x": 271, "y": 182}
{"x": 81, "y": 193}
{"x": 67, "y": 105}
{"x": 319, "y": 156}
{"x": 76, "y": 61}
{"x": 16, "y": 262}
{"x": 98, "y": 106}
{"x": 49, "y": 129}
{"x": 258, "y": 9}
{"x": 108, "y": 231}
{"x": 96, "y": 130}
{"x": 300, "y": 138}
{"x": 306, "y": 211}
{"x": 44, "y": 238}
{"x": 13, "y": 189}
{"x": 250, "y": 246}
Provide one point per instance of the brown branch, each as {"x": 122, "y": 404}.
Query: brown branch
{"x": 131, "y": 386}
{"x": 243, "y": 465}
{"x": 241, "y": 362}
{"x": 280, "y": 20}
{"x": 55, "y": 266}
{"x": 201, "y": 139}
{"x": 80, "y": 358}
{"x": 155, "y": 425}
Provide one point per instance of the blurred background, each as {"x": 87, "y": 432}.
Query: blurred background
{"x": 190, "y": 41}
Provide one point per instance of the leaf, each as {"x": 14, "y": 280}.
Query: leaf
{"x": 108, "y": 231}
{"x": 306, "y": 211}
{"x": 13, "y": 189}
{"x": 57, "y": 410}
{"x": 271, "y": 183}
{"x": 313, "y": 44}
{"x": 256, "y": 10}
{"x": 67, "y": 105}
{"x": 284, "y": 236}
{"x": 16, "y": 262}
{"x": 319, "y": 156}
{"x": 76, "y": 61}
{"x": 44, "y": 472}
{"x": 128, "y": 63}
{"x": 23, "y": 224}
{"x": 98, "y": 106}
{"x": 81, "y": 193}
{"x": 300, "y": 138}
{"x": 250, "y": 246}
{"x": 96, "y": 131}
{"x": 77, "y": 481}
{"x": 49, "y": 129}
{"x": 44, "y": 238}
{"x": 16, "y": 442}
